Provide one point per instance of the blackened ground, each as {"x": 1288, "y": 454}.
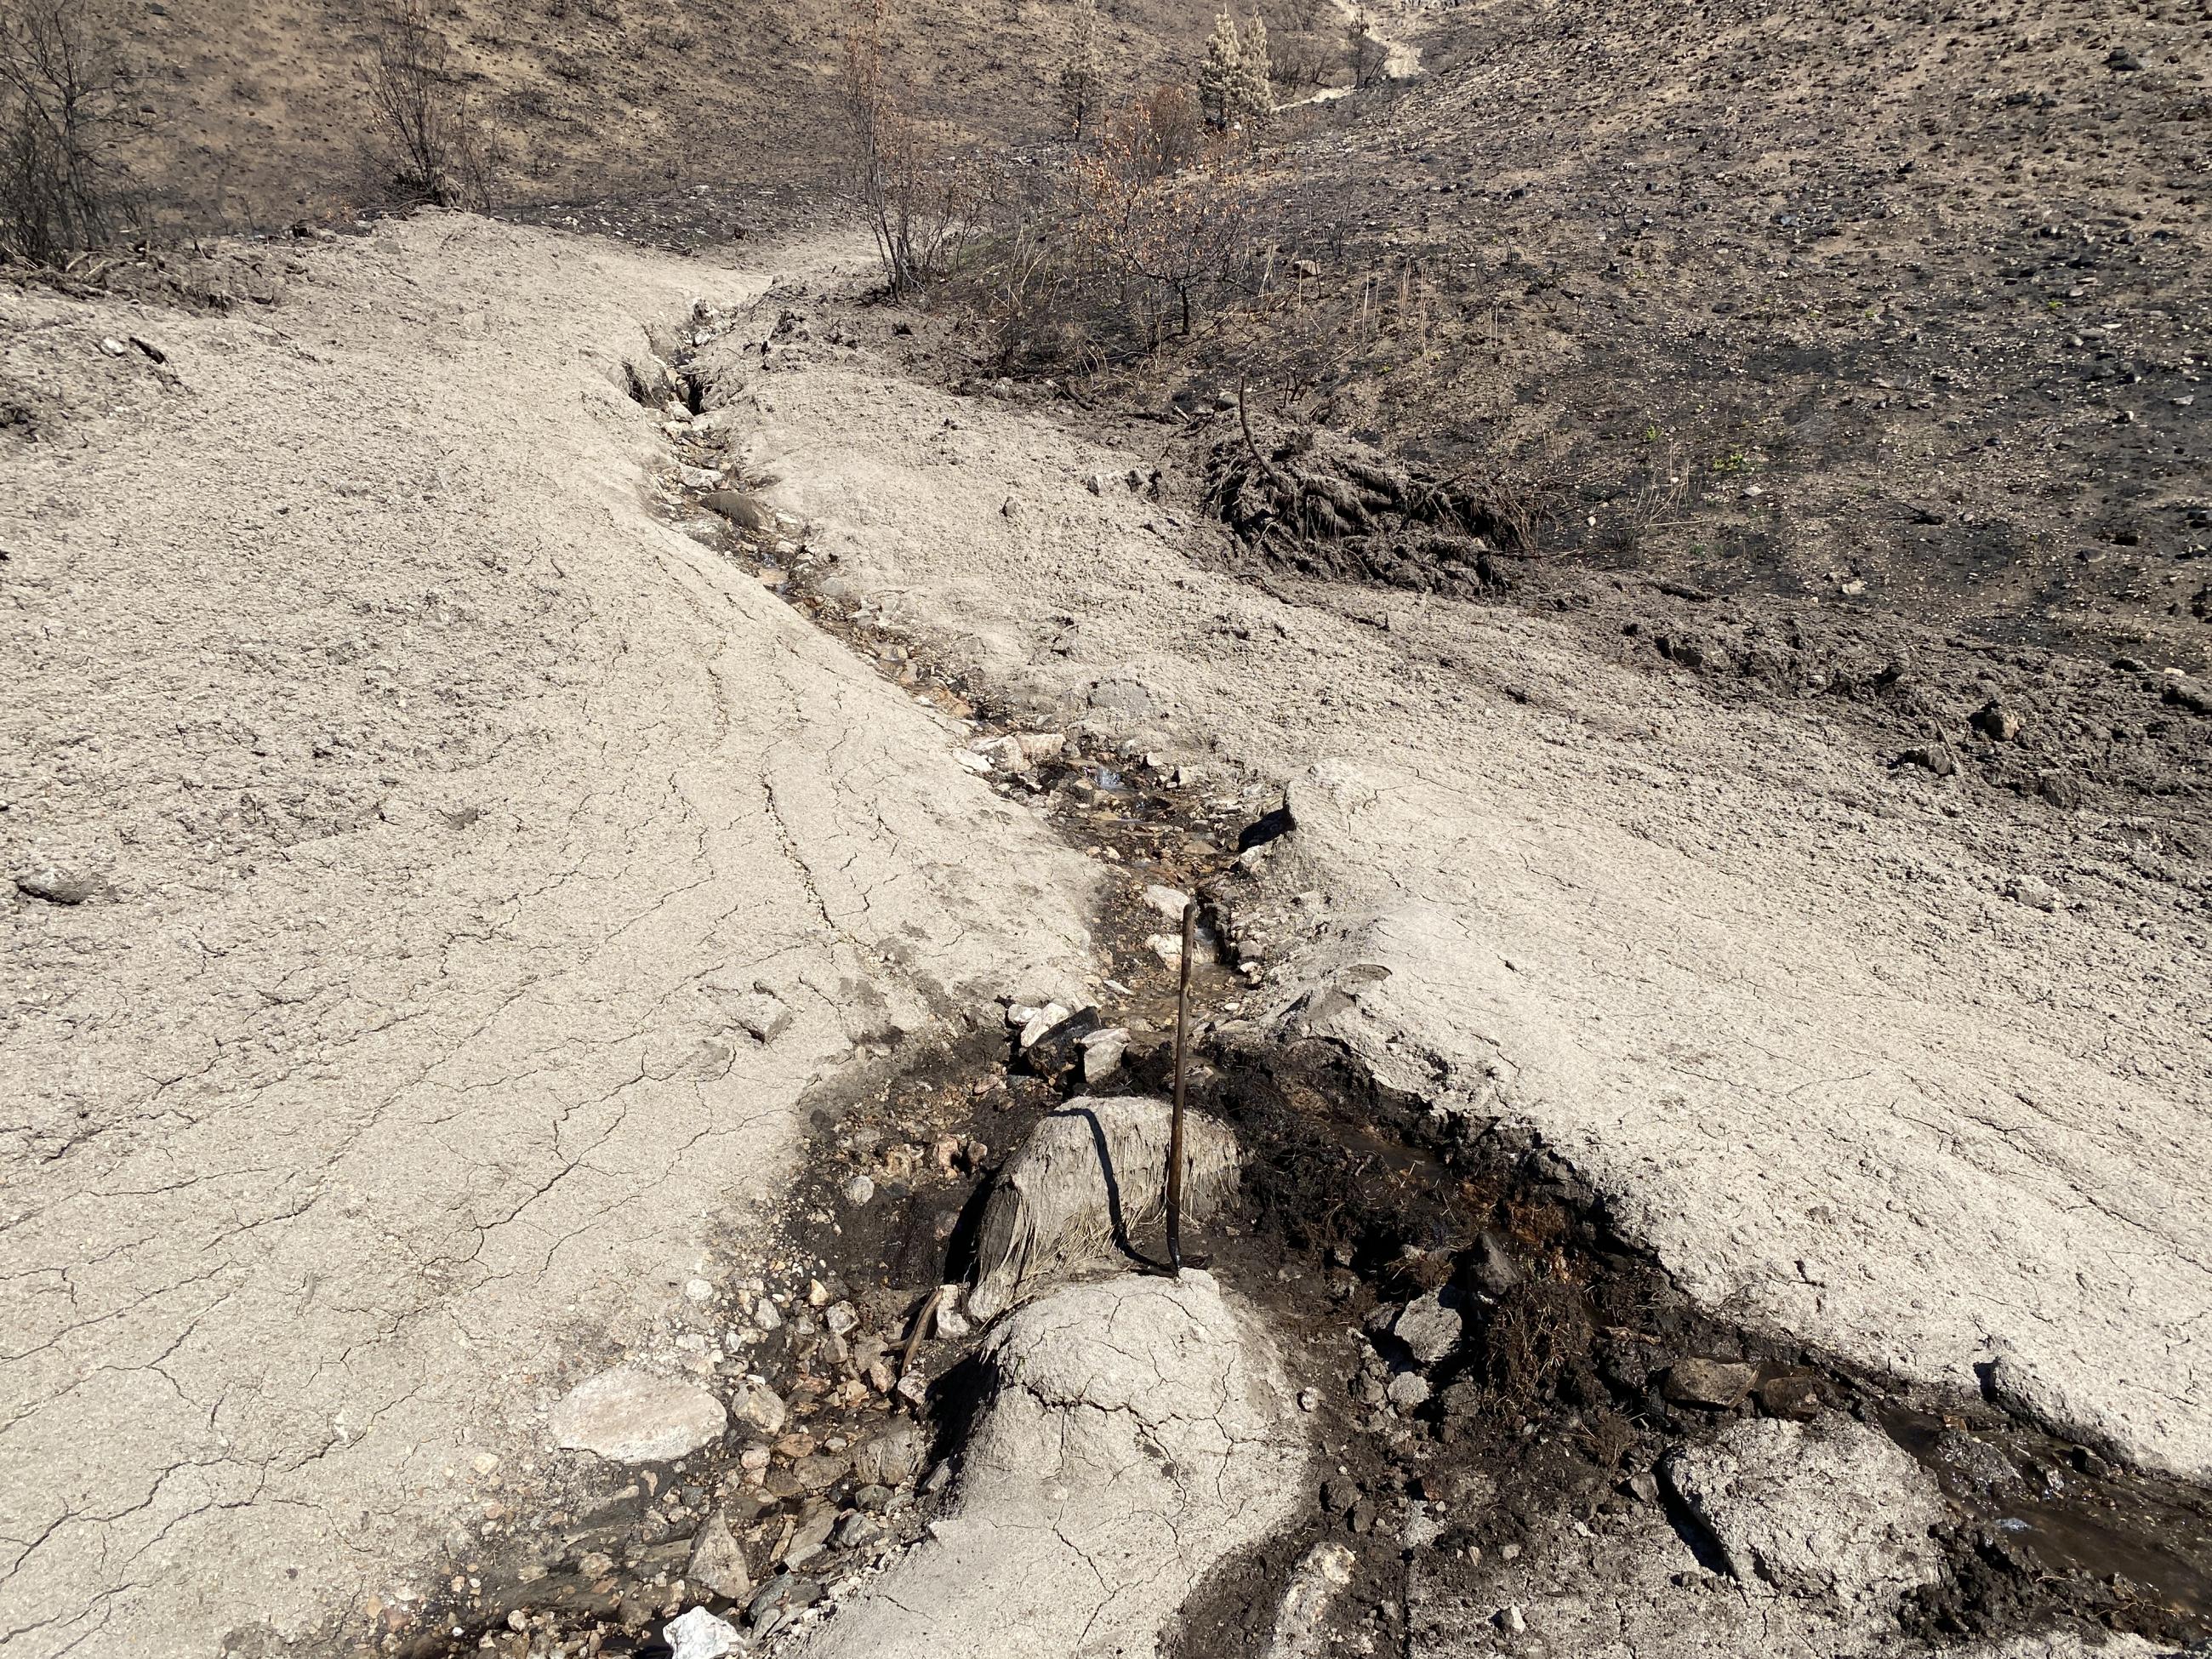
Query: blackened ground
{"x": 1358, "y": 1198}
{"x": 2055, "y": 728}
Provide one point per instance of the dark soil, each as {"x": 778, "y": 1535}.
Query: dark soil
{"x": 2051, "y": 727}
{"x": 1357, "y": 1200}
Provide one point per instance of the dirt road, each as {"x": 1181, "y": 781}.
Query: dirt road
{"x": 440, "y": 882}
{"x": 434, "y": 885}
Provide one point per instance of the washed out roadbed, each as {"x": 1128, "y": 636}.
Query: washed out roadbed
{"x": 1491, "y": 1368}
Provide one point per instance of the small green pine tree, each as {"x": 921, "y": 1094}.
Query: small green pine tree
{"x": 1218, "y": 76}
{"x": 1079, "y": 76}
{"x": 1255, "y": 77}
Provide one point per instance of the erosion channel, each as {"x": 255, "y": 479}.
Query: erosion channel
{"x": 1509, "y": 1426}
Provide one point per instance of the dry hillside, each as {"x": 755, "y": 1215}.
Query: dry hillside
{"x": 256, "y": 114}
{"x": 1879, "y": 303}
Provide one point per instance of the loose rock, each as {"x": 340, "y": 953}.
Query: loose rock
{"x": 1716, "y": 1383}
{"x": 889, "y": 1458}
{"x": 718, "y": 1561}
{"x": 633, "y": 1417}
{"x": 1429, "y": 1329}
{"x": 759, "y": 1406}
{"x": 699, "y": 1635}
{"x": 55, "y": 886}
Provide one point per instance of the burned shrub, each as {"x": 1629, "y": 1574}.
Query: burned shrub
{"x": 1327, "y": 505}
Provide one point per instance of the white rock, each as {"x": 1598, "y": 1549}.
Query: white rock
{"x": 718, "y": 1561}
{"x": 699, "y": 1635}
{"x": 859, "y": 1190}
{"x": 698, "y": 1289}
{"x": 759, "y": 1406}
{"x": 766, "y": 1317}
{"x": 633, "y": 1417}
{"x": 1429, "y": 1329}
{"x": 1407, "y": 1389}
{"x": 1300, "y": 1633}
{"x": 1168, "y": 901}
{"x": 1832, "y": 1510}
{"x": 1102, "y": 1051}
{"x": 1043, "y": 1021}
{"x": 951, "y": 1323}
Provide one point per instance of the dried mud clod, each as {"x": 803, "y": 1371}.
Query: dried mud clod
{"x": 1323, "y": 503}
{"x": 1091, "y": 1175}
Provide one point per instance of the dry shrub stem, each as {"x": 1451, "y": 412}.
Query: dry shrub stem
{"x": 433, "y": 148}
{"x": 921, "y": 201}
{"x": 62, "y": 91}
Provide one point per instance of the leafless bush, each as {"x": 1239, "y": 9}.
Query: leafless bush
{"x": 431, "y": 146}
{"x": 1303, "y": 63}
{"x": 62, "y": 91}
{"x": 1366, "y": 50}
{"x": 1080, "y": 75}
{"x": 920, "y": 199}
{"x": 1127, "y": 242}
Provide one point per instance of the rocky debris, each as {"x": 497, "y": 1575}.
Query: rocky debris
{"x": 776, "y": 1601}
{"x": 858, "y": 1191}
{"x": 945, "y": 1317}
{"x": 1716, "y": 1384}
{"x": 2183, "y": 692}
{"x": 1799, "y": 1395}
{"x": 1996, "y": 722}
{"x": 856, "y": 1531}
{"x": 1320, "y": 1574}
{"x": 746, "y": 512}
{"x": 1168, "y": 901}
{"x": 1494, "y": 1271}
{"x": 1035, "y": 1023}
{"x": 808, "y": 1538}
{"x": 755, "y": 1405}
{"x": 1103, "y": 1052}
{"x": 1408, "y": 1390}
{"x": 1021, "y": 753}
{"x": 1429, "y": 1327}
{"x": 1932, "y": 757}
{"x": 718, "y": 1561}
{"x": 1837, "y": 1512}
{"x": 1090, "y": 1173}
{"x": 1056, "y": 1053}
{"x": 699, "y": 1635}
{"x": 890, "y": 1457}
{"x": 1132, "y": 1434}
{"x": 633, "y": 1417}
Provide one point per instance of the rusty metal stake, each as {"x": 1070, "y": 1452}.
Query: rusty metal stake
{"x": 1175, "y": 1128}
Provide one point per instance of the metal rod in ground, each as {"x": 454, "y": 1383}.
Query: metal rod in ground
{"x": 1174, "y": 1123}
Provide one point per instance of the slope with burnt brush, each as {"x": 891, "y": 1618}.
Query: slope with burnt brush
{"x": 255, "y": 115}
{"x": 1878, "y": 303}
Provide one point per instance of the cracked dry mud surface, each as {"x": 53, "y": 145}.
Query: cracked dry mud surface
{"x": 1799, "y": 1013}
{"x": 502, "y": 875}
{"x": 479, "y": 872}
